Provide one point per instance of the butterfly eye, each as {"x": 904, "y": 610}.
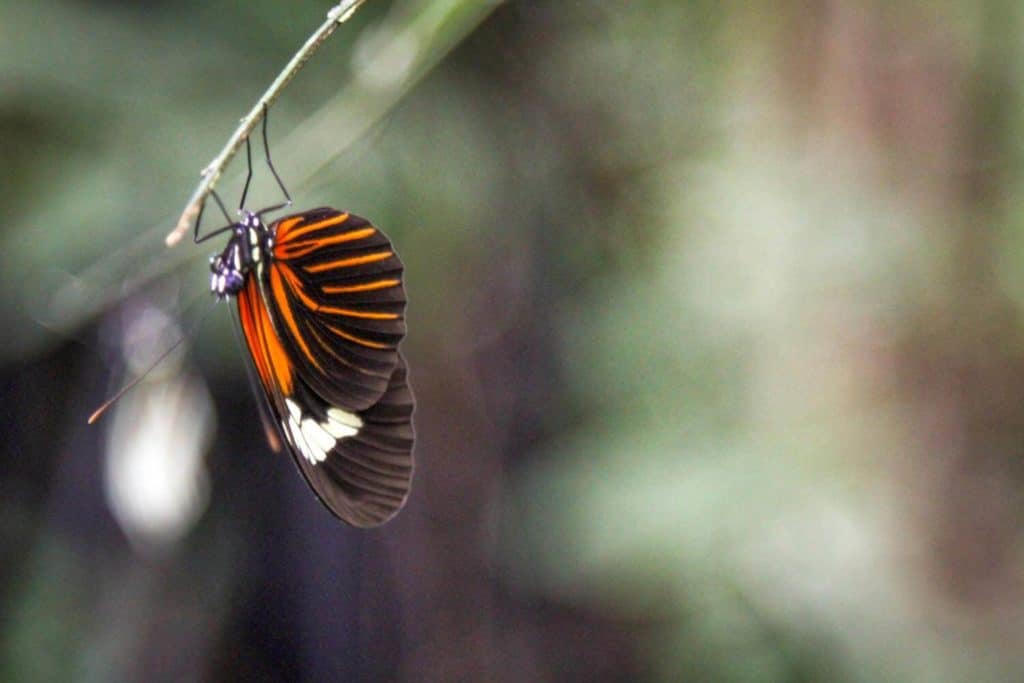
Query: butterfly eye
{"x": 233, "y": 281}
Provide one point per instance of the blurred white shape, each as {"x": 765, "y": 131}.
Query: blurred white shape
{"x": 155, "y": 479}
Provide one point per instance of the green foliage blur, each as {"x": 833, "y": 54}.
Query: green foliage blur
{"x": 715, "y": 313}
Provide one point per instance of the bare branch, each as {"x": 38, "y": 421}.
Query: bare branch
{"x": 211, "y": 174}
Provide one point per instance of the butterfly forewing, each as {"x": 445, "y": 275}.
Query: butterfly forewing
{"x": 322, "y": 318}
{"x": 336, "y": 284}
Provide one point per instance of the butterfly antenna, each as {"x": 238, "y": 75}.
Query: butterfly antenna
{"x": 98, "y": 413}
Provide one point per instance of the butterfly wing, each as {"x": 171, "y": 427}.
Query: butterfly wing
{"x": 322, "y": 321}
{"x": 336, "y": 293}
{"x": 364, "y": 479}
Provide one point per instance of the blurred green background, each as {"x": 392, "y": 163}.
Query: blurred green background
{"x": 715, "y": 329}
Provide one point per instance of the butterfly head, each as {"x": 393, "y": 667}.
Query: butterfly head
{"x": 245, "y": 249}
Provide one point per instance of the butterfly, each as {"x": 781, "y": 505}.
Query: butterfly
{"x": 321, "y": 305}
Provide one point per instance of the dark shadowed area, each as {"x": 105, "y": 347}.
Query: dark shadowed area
{"x": 715, "y": 329}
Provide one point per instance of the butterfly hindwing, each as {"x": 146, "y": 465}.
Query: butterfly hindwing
{"x": 364, "y": 478}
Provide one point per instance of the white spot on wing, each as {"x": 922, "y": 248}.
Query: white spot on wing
{"x": 293, "y": 432}
{"x": 340, "y": 416}
{"x": 318, "y": 440}
{"x": 340, "y": 424}
{"x": 299, "y": 439}
{"x": 319, "y": 434}
{"x": 338, "y": 430}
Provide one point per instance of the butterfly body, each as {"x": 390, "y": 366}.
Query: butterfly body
{"x": 321, "y": 305}
{"x": 250, "y": 240}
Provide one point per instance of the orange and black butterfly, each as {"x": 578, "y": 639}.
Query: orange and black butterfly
{"x": 322, "y": 309}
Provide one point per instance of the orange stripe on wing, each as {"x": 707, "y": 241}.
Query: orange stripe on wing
{"x": 277, "y": 288}
{"x": 349, "y": 262}
{"x": 257, "y": 349}
{"x": 286, "y": 234}
{"x": 285, "y": 225}
{"x": 369, "y": 315}
{"x": 296, "y": 286}
{"x": 294, "y": 250}
{"x": 268, "y": 354}
{"x": 358, "y": 340}
{"x": 329, "y": 349}
{"x": 366, "y": 287}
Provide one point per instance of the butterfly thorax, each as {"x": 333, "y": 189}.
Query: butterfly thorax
{"x": 249, "y": 245}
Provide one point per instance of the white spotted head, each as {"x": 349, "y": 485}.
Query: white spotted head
{"x": 250, "y": 240}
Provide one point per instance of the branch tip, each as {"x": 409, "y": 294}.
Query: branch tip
{"x": 209, "y": 175}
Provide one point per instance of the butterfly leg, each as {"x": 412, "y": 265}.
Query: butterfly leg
{"x": 270, "y": 164}
{"x": 199, "y": 219}
{"x": 248, "y": 177}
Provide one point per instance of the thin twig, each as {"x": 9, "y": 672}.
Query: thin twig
{"x": 437, "y": 27}
{"x": 335, "y": 17}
